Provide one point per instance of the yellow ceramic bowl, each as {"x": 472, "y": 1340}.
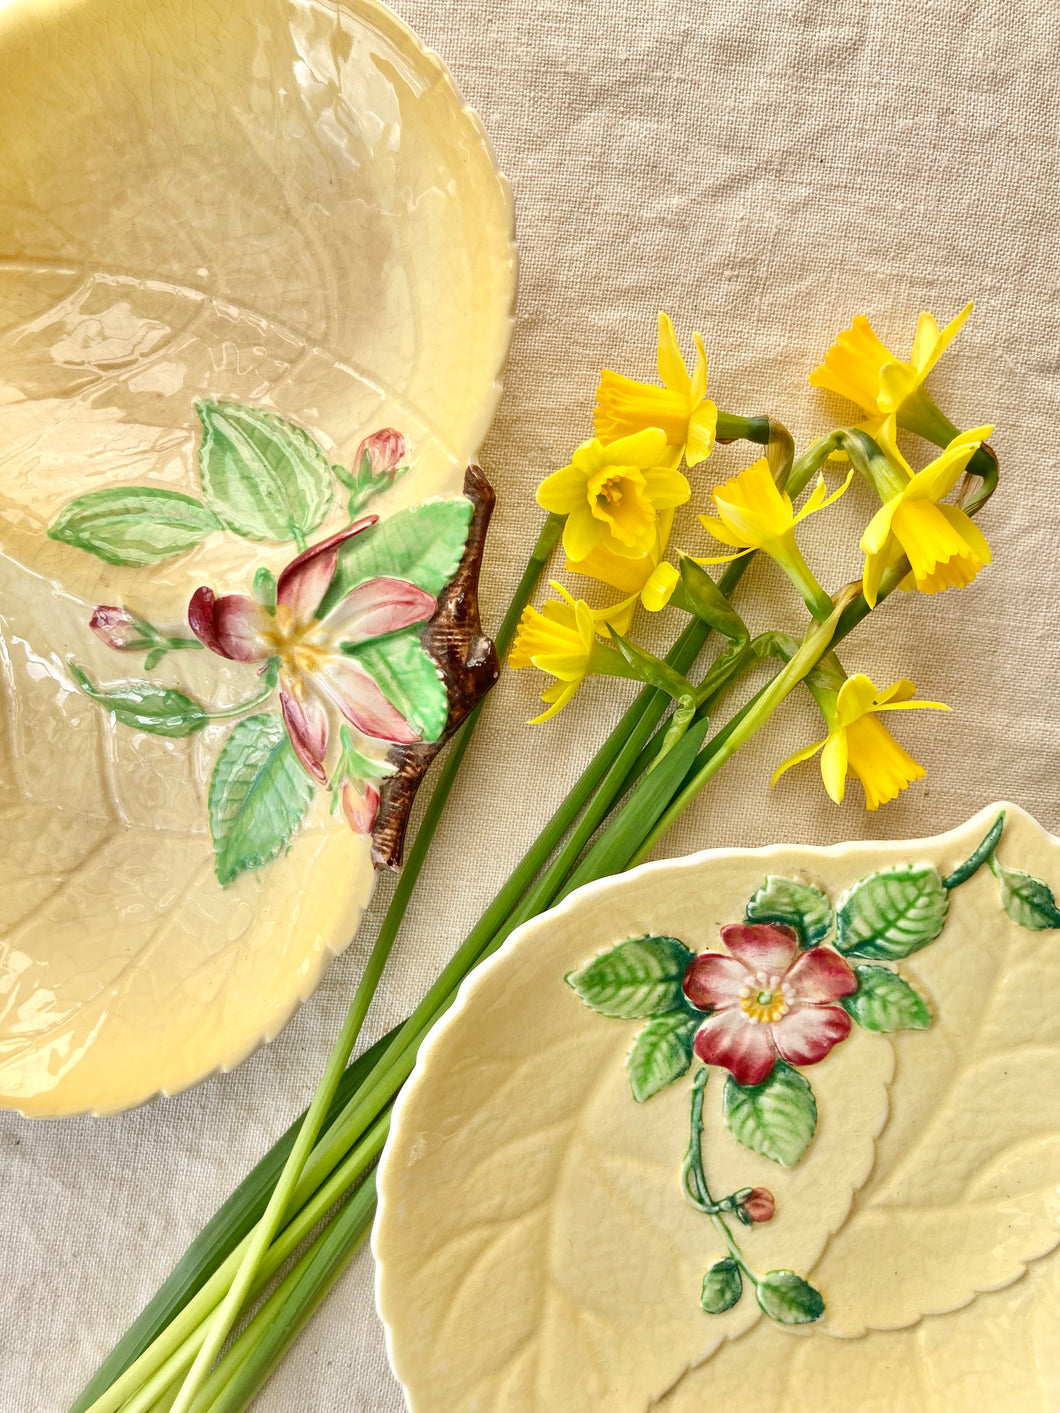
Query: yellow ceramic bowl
{"x": 277, "y": 202}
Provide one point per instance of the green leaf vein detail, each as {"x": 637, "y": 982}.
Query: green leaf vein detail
{"x": 258, "y": 796}
{"x": 641, "y": 977}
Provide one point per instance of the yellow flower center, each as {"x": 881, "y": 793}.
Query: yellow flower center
{"x": 300, "y": 647}
{"x": 763, "y": 998}
{"x": 610, "y": 493}
{"x": 616, "y": 495}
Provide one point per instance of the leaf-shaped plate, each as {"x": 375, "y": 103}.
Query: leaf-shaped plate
{"x": 288, "y": 232}
{"x": 536, "y": 1256}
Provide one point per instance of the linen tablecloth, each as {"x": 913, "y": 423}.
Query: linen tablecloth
{"x": 763, "y": 171}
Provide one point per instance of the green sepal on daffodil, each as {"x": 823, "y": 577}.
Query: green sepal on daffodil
{"x": 859, "y": 745}
{"x": 612, "y": 495}
{"x": 680, "y": 407}
{"x": 559, "y": 638}
{"x": 859, "y": 367}
{"x": 944, "y": 546}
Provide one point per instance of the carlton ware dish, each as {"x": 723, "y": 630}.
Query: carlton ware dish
{"x": 235, "y": 241}
{"x": 774, "y": 1130}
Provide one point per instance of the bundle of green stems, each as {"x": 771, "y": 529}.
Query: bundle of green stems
{"x": 312, "y": 1197}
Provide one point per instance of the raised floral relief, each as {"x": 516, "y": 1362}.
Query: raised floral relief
{"x": 342, "y": 637}
{"x": 795, "y": 975}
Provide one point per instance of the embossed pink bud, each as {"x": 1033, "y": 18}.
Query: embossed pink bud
{"x": 360, "y": 806}
{"x": 382, "y": 453}
{"x": 116, "y": 627}
{"x": 759, "y": 1204}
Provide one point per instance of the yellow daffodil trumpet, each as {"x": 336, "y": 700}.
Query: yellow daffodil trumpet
{"x": 680, "y": 407}
{"x": 859, "y": 745}
{"x": 859, "y": 367}
{"x": 562, "y": 638}
{"x": 944, "y": 546}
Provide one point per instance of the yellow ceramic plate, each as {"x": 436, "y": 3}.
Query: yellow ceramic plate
{"x": 277, "y": 204}
{"x": 536, "y": 1252}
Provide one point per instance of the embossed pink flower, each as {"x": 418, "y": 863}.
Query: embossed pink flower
{"x": 314, "y": 671}
{"x": 767, "y": 999}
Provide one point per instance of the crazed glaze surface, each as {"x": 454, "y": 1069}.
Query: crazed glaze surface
{"x": 534, "y": 1251}
{"x": 277, "y": 202}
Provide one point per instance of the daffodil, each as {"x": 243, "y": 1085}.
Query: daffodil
{"x": 754, "y": 514}
{"x": 859, "y": 745}
{"x": 560, "y": 639}
{"x": 680, "y": 407}
{"x": 860, "y": 368}
{"x": 612, "y": 495}
{"x": 631, "y": 577}
{"x": 944, "y": 546}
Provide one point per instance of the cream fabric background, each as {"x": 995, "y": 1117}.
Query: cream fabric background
{"x": 763, "y": 171}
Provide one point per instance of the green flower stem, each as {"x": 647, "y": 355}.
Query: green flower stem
{"x": 344, "y": 1178}
{"x": 755, "y": 715}
{"x": 187, "y": 1333}
{"x": 221, "y": 1235}
{"x": 270, "y": 1222}
{"x": 804, "y": 580}
{"x": 733, "y": 428}
{"x": 164, "y": 1361}
{"x": 296, "y": 1299}
{"x": 693, "y": 1169}
{"x": 241, "y": 707}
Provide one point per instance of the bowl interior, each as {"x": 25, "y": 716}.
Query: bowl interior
{"x": 274, "y": 202}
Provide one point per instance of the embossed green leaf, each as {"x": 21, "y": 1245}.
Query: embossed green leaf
{"x": 145, "y": 706}
{"x": 884, "y": 1001}
{"x": 797, "y": 905}
{"x": 788, "y": 1299}
{"x": 258, "y": 796}
{"x": 776, "y": 1118}
{"x": 1027, "y": 900}
{"x": 266, "y": 478}
{"x": 133, "y": 525}
{"x": 407, "y": 677}
{"x": 890, "y": 914}
{"x": 423, "y": 544}
{"x": 661, "y": 1053}
{"x": 722, "y": 1287}
{"x": 641, "y": 977}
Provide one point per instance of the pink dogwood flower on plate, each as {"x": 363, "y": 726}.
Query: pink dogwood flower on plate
{"x": 767, "y": 1000}
{"x": 314, "y": 671}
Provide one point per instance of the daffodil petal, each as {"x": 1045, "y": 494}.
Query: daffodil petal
{"x": 899, "y": 691}
{"x": 702, "y": 431}
{"x": 581, "y": 533}
{"x": 930, "y": 356}
{"x": 805, "y": 754}
{"x": 834, "y": 765}
{"x": 968, "y": 530}
{"x": 641, "y": 449}
{"x": 563, "y": 491}
{"x": 879, "y": 527}
{"x": 857, "y": 695}
{"x": 698, "y": 390}
{"x": 671, "y": 365}
{"x": 657, "y": 591}
{"x": 666, "y": 489}
{"x": 559, "y": 695}
{"x": 924, "y": 340}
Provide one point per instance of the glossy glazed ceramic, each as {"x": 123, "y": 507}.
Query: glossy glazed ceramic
{"x": 535, "y": 1253}
{"x": 279, "y": 203}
